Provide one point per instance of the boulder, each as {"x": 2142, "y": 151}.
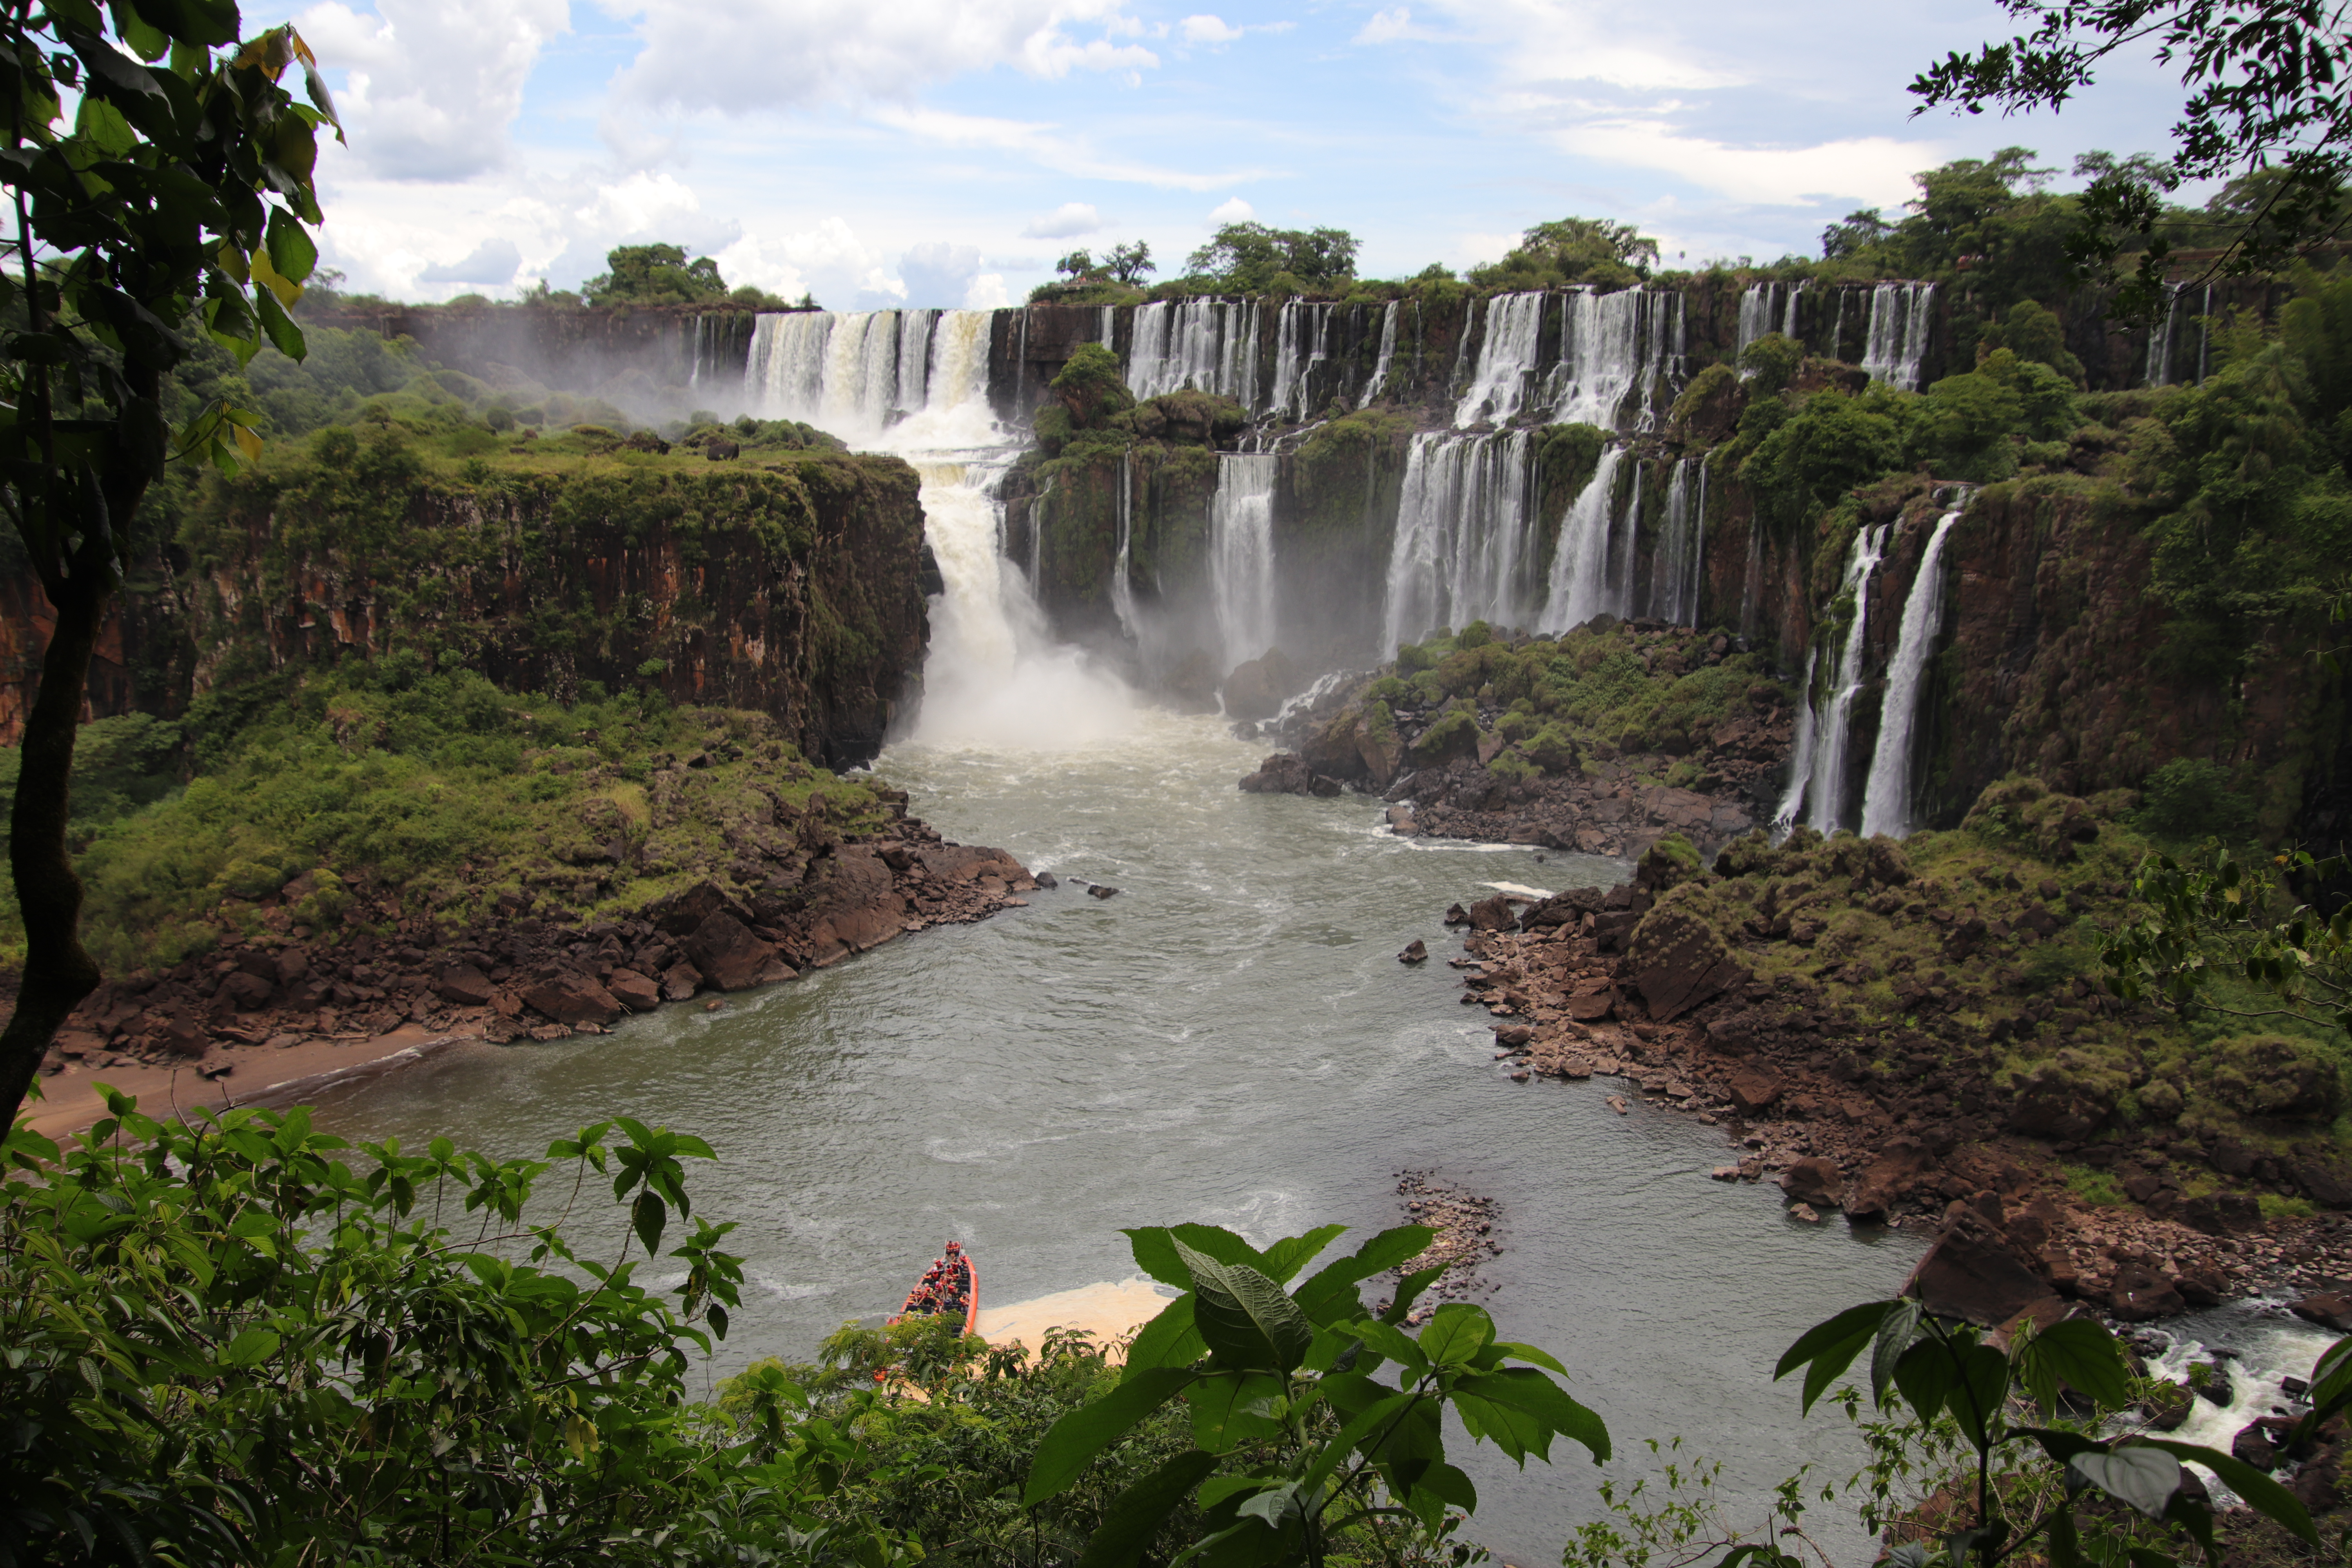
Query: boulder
{"x": 2069, "y": 1098}
{"x": 731, "y": 957}
{"x": 465, "y": 985}
{"x": 1966, "y": 1275}
{"x": 570, "y": 995}
{"x": 2168, "y": 1405}
{"x": 2141, "y": 1294}
{"x": 2323, "y": 1183}
{"x": 1752, "y": 1090}
{"x": 636, "y": 993}
{"x": 1678, "y": 961}
{"x": 244, "y": 992}
{"x": 1257, "y": 688}
{"x": 1286, "y": 774}
{"x": 1101, "y": 891}
{"x": 680, "y": 981}
{"x": 2328, "y": 1308}
{"x": 1815, "y": 1179}
{"x": 2253, "y": 1445}
{"x": 1733, "y": 1033}
{"x": 2272, "y": 1075}
{"x": 1903, "y": 1163}
{"x": 683, "y": 912}
{"x": 1415, "y": 951}
{"x": 1492, "y": 915}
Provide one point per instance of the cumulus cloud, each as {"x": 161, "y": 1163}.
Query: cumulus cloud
{"x": 1048, "y": 145}
{"x": 1067, "y": 221}
{"x": 987, "y": 294}
{"x": 1234, "y": 211}
{"x": 827, "y": 261}
{"x": 1872, "y": 169}
{"x": 1393, "y": 26}
{"x": 936, "y": 274}
{"x": 740, "y": 56}
{"x": 1207, "y": 30}
{"x": 491, "y": 263}
{"x": 433, "y": 84}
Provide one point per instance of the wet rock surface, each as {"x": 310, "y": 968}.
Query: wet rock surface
{"x": 1464, "y": 1223}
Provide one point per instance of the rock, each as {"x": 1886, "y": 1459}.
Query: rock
{"x": 246, "y": 992}
{"x": 1101, "y": 891}
{"x": 1677, "y": 961}
{"x": 2168, "y": 1406}
{"x": 2272, "y": 1075}
{"x": 683, "y": 912}
{"x": 1256, "y": 689}
{"x": 731, "y": 957}
{"x": 680, "y": 981}
{"x": 1903, "y": 1163}
{"x": 2327, "y": 1309}
{"x": 2141, "y": 1294}
{"x": 2323, "y": 1185}
{"x": 1415, "y": 951}
{"x": 1593, "y": 1007}
{"x": 1611, "y": 928}
{"x": 1815, "y": 1179}
{"x": 1725, "y": 1173}
{"x": 1492, "y": 915}
{"x": 1733, "y": 1033}
{"x": 1455, "y": 915}
{"x": 718, "y": 449}
{"x": 570, "y": 995}
{"x": 1805, "y": 1211}
{"x": 1966, "y": 1275}
{"x": 2253, "y": 1445}
{"x": 2202, "y": 1285}
{"x": 293, "y": 967}
{"x": 1616, "y": 1103}
{"x": 1512, "y": 1034}
{"x": 2069, "y": 1098}
{"x": 1752, "y": 1090}
{"x": 1286, "y": 774}
{"x": 637, "y": 994}
{"x": 1047, "y": 880}
{"x": 465, "y": 985}
{"x": 2211, "y": 1381}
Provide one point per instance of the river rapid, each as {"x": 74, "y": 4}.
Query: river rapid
{"x": 1229, "y": 1039}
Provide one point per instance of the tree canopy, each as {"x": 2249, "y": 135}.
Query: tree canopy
{"x": 654, "y": 275}
{"x": 1250, "y": 257}
{"x": 1573, "y": 250}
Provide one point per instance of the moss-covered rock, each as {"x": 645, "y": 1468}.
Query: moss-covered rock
{"x": 2276, "y": 1076}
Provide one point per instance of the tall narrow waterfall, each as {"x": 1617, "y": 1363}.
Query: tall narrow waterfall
{"x": 1886, "y": 798}
{"x": 1506, "y": 360}
{"x": 2161, "y": 340}
{"x": 1614, "y": 349}
{"x": 1755, "y": 316}
{"x": 1241, "y": 555}
{"x": 1578, "y": 587}
{"x": 1460, "y": 552}
{"x": 1801, "y": 756}
{"x": 1835, "y": 726}
{"x": 1207, "y": 344}
{"x": 1372, "y": 388}
{"x": 1753, "y": 582}
{"x": 1675, "y": 569}
{"x": 1122, "y": 579}
{"x": 1301, "y": 342}
{"x": 1898, "y": 340}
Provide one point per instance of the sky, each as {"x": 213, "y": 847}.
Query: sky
{"x": 947, "y": 153}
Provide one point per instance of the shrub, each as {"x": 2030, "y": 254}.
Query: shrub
{"x": 2191, "y": 797}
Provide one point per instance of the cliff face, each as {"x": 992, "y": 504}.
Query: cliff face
{"x": 795, "y": 589}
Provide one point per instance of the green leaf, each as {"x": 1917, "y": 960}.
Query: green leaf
{"x": 1827, "y": 1348}
{"x": 1169, "y": 1339}
{"x": 2260, "y": 1492}
{"x": 1222, "y": 1417}
{"x": 1387, "y": 1340}
{"x": 1285, "y": 1257}
{"x": 2081, "y": 1354}
{"x": 2139, "y": 1475}
{"x": 2065, "y": 1549}
{"x": 1978, "y": 1393}
{"x": 1084, "y": 1432}
{"x": 647, "y": 1215}
{"x": 1525, "y": 1388}
{"x": 1895, "y": 1332}
{"x": 1331, "y": 1295}
{"x": 1362, "y": 1430}
{"x": 2058, "y": 1443}
{"x": 1245, "y": 1316}
{"x": 1154, "y": 1246}
{"x": 1136, "y": 1515}
{"x": 1456, "y": 1332}
{"x": 1517, "y": 1351}
{"x": 1409, "y": 1290}
{"x": 2331, "y": 1381}
{"x": 291, "y": 250}
{"x": 251, "y": 1348}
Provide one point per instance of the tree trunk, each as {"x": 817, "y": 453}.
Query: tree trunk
{"x": 59, "y": 973}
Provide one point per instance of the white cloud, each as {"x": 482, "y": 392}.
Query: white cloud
{"x": 938, "y": 274}
{"x": 1543, "y": 43}
{"x": 1047, "y": 144}
{"x": 828, "y": 261}
{"x": 1392, "y": 26}
{"x": 1067, "y": 221}
{"x": 1207, "y": 30}
{"x": 491, "y": 263}
{"x": 987, "y": 294}
{"x": 744, "y": 56}
{"x": 1875, "y": 169}
{"x": 433, "y": 84}
{"x": 1234, "y": 211}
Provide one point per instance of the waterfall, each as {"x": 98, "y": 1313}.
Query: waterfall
{"x": 1300, "y": 334}
{"x": 1886, "y": 798}
{"x": 1460, "y": 550}
{"x": 1789, "y": 322}
{"x": 2204, "y": 333}
{"x": 1388, "y": 354}
{"x": 1207, "y": 344}
{"x": 1613, "y": 347}
{"x": 1754, "y": 581}
{"x": 1626, "y": 544}
{"x": 1241, "y": 555}
{"x": 1898, "y": 340}
{"x": 2160, "y": 340}
{"x": 1122, "y": 585}
{"x": 861, "y": 373}
{"x": 1675, "y": 570}
{"x": 1106, "y": 322}
{"x": 1506, "y": 360}
{"x": 1462, "y": 344}
{"x": 1837, "y": 330}
{"x": 1578, "y": 587}
{"x": 1835, "y": 726}
{"x": 1755, "y": 317}
{"x": 1801, "y": 758}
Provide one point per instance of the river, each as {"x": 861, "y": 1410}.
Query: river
{"x": 1229, "y": 1039}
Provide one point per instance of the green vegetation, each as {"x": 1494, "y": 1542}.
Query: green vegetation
{"x": 661, "y": 275}
{"x": 1251, "y": 259}
{"x": 1597, "y": 251}
{"x": 393, "y": 774}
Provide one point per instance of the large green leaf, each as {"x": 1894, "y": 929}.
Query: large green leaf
{"x": 1827, "y": 1348}
{"x": 2260, "y": 1492}
{"x": 1331, "y": 1295}
{"x": 1895, "y": 1332}
{"x": 1222, "y": 1414}
{"x": 1525, "y": 1388}
{"x": 2141, "y": 1476}
{"x": 1169, "y": 1339}
{"x": 1285, "y": 1257}
{"x": 1245, "y": 1316}
{"x": 1154, "y": 1246}
{"x": 1087, "y": 1431}
{"x": 291, "y": 250}
{"x": 1926, "y": 1375}
{"x": 1979, "y": 1391}
{"x": 1456, "y": 1332}
{"x": 1408, "y": 1291}
{"x": 1136, "y": 1514}
{"x": 2331, "y": 1381}
{"x": 2082, "y": 1355}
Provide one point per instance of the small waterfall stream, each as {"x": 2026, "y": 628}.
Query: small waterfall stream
{"x": 1896, "y": 342}
{"x": 1836, "y": 726}
{"x": 1578, "y": 587}
{"x": 1506, "y": 361}
{"x": 1675, "y": 573}
{"x": 1387, "y": 355}
{"x": 1207, "y": 344}
{"x": 1241, "y": 555}
{"x": 1887, "y": 797}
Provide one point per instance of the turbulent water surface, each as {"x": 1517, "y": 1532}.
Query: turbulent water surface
{"x": 1230, "y": 1039}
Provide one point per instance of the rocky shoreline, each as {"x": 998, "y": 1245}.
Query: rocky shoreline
{"x": 793, "y": 899}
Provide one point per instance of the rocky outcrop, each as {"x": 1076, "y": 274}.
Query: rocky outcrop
{"x": 1283, "y": 773}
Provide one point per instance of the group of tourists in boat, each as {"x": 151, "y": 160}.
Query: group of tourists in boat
{"x": 950, "y": 1286}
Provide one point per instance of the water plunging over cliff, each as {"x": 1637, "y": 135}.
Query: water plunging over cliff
{"x": 1674, "y": 572}
{"x": 1897, "y": 335}
{"x": 1580, "y": 585}
{"x": 1801, "y": 756}
{"x": 1302, "y": 342}
{"x": 1387, "y": 354}
{"x": 1207, "y": 344}
{"x": 1616, "y": 348}
{"x": 921, "y": 377}
{"x": 1241, "y": 555}
{"x": 1506, "y": 360}
{"x": 1766, "y": 308}
{"x": 1886, "y": 798}
{"x": 1460, "y": 550}
{"x": 1834, "y": 727}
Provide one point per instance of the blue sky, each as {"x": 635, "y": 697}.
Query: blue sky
{"x": 937, "y": 153}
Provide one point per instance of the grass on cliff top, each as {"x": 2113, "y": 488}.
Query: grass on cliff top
{"x": 434, "y": 787}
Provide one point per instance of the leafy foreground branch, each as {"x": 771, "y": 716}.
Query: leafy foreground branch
{"x": 243, "y": 1341}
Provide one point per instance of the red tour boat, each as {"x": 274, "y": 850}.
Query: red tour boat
{"x": 950, "y": 1285}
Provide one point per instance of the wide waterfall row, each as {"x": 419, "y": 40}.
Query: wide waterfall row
{"x": 1896, "y": 343}
{"x": 858, "y": 373}
{"x": 1468, "y": 546}
{"x": 1768, "y": 308}
{"x": 1209, "y": 345}
{"x": 1604, "y": 366}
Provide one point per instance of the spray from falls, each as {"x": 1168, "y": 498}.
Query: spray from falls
{"x": 1460, "y": 552}
{"x": 1887, "y": 797}
{"x": 1896, "y": 343}
{"x": 1241, "y": 555}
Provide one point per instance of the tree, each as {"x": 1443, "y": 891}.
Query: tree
{"x": 654, "y": 275}
{"x": 1078, "y": 266}
{"x": 1129, "y": 260}
{"x": 1574, "y": 250}
{"x": 2266, "y": 84}
{"x": 174, "y": 203}
{"x": 1855, "y": 233}
{"x": 1250, "y": 258}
